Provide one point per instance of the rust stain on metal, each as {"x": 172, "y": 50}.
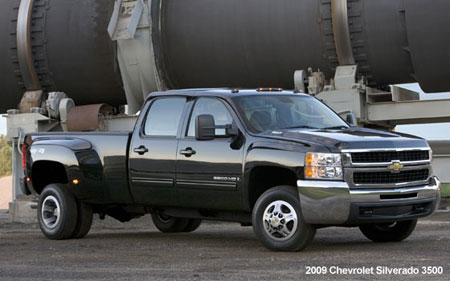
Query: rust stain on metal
{"x": 87, "y": 117}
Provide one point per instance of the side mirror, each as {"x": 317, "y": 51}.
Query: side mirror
{"x": 351, "y": 119}
{"x": 205, "y": 127}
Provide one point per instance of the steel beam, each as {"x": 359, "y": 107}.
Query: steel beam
{"x": 410, "y": 112}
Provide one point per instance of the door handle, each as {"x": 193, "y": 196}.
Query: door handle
{"x": 141, "y": 150}
{"x": 188, "y": 152}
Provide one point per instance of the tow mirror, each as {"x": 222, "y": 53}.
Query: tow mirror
{"x": 204, "y": 127}
{"x": 351, "y": 119}
{"x": 231, "y": 130}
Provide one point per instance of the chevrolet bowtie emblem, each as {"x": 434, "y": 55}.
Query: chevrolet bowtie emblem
{"x": 395, "y": 167}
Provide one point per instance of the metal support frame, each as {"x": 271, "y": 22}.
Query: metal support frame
{"x": 375, "y": 107}
{"x": 407, "y": 112}
{"x": 342, "y": 32}
{"x": 24, "y": 46}
{"x": 18, "y": 125}
{"x": 125, "y": 19}
{"x": 132, "y": 27}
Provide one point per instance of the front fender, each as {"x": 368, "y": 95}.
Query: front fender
{"x": 265, "y": 156}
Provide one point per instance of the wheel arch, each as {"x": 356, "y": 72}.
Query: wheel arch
{"x": 51, "y": 163}
{"x": 262, "y": 178}
{"x": 270, "y": 164}
{"x": 45, "y": 172}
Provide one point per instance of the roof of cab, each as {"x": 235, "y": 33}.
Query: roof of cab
{"x": 219, "y": 92}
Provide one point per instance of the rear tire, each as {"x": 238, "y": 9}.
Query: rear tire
{"x": 57, "y": 212}
{"x": 278, "y": 222}
{"x": 388, "y": 232}
{"x": 84, "y": 221}
{"x": 168, "y": 224}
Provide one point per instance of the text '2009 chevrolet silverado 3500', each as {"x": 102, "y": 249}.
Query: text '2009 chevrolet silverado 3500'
{"x": 282, "y": 162}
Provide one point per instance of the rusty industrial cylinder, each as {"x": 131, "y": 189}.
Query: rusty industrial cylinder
{"x": 228, "y": 43}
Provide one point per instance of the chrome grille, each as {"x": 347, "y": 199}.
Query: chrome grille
{"x": 388, "y": 156}
{"x": 387, "y": 168}
{"x": 389, "y": 177}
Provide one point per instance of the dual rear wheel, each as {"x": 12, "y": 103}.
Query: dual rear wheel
{"x": 61, "y": 215}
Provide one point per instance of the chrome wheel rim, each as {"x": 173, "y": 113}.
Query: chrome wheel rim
{"x": 280, "y": 220}
{"x": 51, "y": 212}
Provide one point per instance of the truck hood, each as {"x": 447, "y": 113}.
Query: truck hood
{"x": 350, "y": 138}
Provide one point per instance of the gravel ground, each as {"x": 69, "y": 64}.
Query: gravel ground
{"x": 216, "y": 251}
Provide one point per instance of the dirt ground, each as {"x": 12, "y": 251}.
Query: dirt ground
{"x": 5, "y": 192}
{"x": 216, "y": 251}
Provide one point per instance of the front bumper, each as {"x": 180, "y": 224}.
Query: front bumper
{"x": 334, "y": 203}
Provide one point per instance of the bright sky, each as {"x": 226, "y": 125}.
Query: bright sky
{"x": 438, "y": 131}
{"x": 2, "y": 125}
{"x": 429, "y": 131}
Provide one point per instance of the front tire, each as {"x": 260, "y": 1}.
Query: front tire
{"x": 57, "y": 212}
{"x": 388, "y": 232}
{"x": 278, "y": 222}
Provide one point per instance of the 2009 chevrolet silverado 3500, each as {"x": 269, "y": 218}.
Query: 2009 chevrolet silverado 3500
{"x": 282, "y": 162}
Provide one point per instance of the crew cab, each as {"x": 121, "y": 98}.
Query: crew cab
{"x": 280, "y": 161}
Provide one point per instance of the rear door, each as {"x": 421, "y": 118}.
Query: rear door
{"x": 209, "y": 172}
{"x": 153, "y": 151}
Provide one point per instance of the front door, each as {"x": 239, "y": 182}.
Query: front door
{"x": 209, "y": 172}
{"x": 153, "y": 152}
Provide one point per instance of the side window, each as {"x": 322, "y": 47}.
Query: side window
{"x": 213, "y": 107}
{"x": 164, "y": 116}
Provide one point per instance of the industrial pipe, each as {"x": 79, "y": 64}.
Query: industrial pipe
{"x": 228, "y": 43}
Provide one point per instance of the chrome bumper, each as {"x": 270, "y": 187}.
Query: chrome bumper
{"x": 331, "y": 202}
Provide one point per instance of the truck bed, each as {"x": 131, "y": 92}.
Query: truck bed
{"x": 104, "y": 165}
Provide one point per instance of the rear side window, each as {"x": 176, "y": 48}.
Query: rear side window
{"x": 164, "y": 117}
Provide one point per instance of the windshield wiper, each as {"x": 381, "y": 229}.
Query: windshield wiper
{"x": 301, "y": 127}
{"x": 335, "y": 128}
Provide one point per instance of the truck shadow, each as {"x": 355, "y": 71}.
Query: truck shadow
{"x": 243, "y": 240}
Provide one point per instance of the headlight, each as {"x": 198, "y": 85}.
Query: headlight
{"x": 323, "y": 166}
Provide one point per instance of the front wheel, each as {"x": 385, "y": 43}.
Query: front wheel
{"x": 388, "y": 232}
{"x": 278, "y": 222}
{"x": 57, "y": 212}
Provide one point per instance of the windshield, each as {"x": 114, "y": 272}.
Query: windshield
{"x": 275, "y": 112}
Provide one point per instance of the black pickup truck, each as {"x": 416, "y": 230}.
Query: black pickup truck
{"x": 280, "y": 161}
